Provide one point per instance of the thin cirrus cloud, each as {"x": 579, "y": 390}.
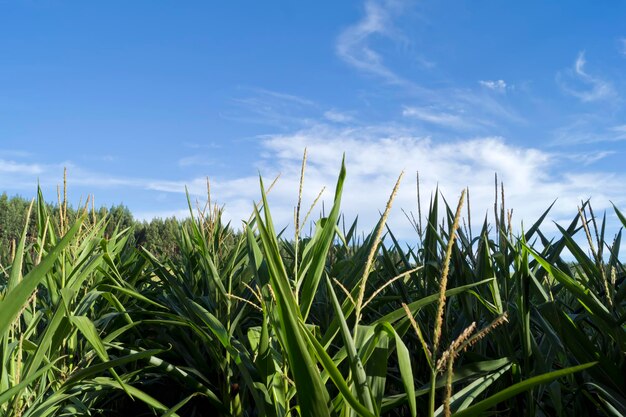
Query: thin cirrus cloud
{"x": 355, "y": 46}
{"x": 495, "y": 85}
{"x": 195, "y": 160}
{"x": 354, "y": 43}
{"x": 590, "y": 157}
{"x": 273, "y": 108}
{"x": 24, "y": 177}
{"x": 338, "y": 117}
{"x": 20, "y": 168}
{"x": 578, "y": 82}
{"x": 436, "y": 117}
{"x": 14, "y": 153}
{"x": 589, "y": 129}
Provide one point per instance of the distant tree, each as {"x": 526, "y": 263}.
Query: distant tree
{"x": 120, "y": 218}
{"x": 12, "y": 217}
{"x": 159, "y": 236}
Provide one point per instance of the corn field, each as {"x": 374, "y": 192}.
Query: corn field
{"x": 248, "y": 322}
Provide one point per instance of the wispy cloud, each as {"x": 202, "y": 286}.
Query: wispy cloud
{"x": 622, "y": 46}
{"x": 354, "y": 43}
{"x": 495, "y": 85}
{"x": 590, "y": 158}
{"x": 425, "y": 63}
{"x": 262, "y": 92}
{"x": 436, "y": 117}
{"x": 360, "y": 45}
{"x": 590, "y": 88}
{"x": 27, "y": 176}
{"x": 589, "y": 129}
{"x": 620, "y": 130}
{"x": 14, "y": 153}
{"x": 338, "y": 117}
{"x": 491, "y": 108}
{"x": 266, "y": 107}
{"x": 208, "y": 145}
{"x": 12, "y": 167}
{"x": 195, "y": 160}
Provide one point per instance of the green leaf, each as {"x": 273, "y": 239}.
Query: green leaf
{"x": 335, "y": 375}
{"x": 358, "y": 371}
{"x": 465, "y": 397}
{"x": 315, "y": 259}
{"x": 87, "y": 328}
{"x": 518, "y": 388}
{"x": 15, "y": 299}
{"x": 312, "y": 395}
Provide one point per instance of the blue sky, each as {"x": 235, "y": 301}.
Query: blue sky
{"x": 139, "y": 99}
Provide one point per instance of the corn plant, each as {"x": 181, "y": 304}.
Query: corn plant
{"x": 54, "y": 310}
{"x": 466, "y": 321}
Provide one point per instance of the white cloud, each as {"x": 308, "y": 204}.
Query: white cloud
{"x": 283, "y": 97}
{"x": 195, "y": 160}
{"x": 360, "y": 46}
{"x": 587, "y": 129}
{"x": 621, "y": 129}
{"x": 375, "y": 156}
{"x": 579, "y": 65}
{"x": 353, "y": 44}
{"x": 591, "y": 157}
{"x": 262, "y": 106}
{"x": 27, "y": 176}
{"x": 622, "y": 44}
{"x": 12, "y": 167}
{"x": 338, "y": 117}
{"x": 425, "y": 63}
{"x": 495, "y": 85}
{"x": 431, "y": 115}
{"x": 14, "y": 153}
{"x": 590, "y": 88}
{"x": 373, "y": 162}
{"x": 207, "y": 145}
{"x": 486, "y": 104}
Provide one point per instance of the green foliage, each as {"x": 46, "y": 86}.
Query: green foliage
{"x": 104, "y": 316}
{"x": 159, "y": 236}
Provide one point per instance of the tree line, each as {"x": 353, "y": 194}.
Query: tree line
{"x": 158, "y": 235}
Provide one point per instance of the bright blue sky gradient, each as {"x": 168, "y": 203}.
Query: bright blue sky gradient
{"x": 140, "y": 98}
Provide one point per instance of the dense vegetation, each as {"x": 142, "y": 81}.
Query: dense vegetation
{"x": 255, "y": 324}
{"x": 158, "y": 235}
